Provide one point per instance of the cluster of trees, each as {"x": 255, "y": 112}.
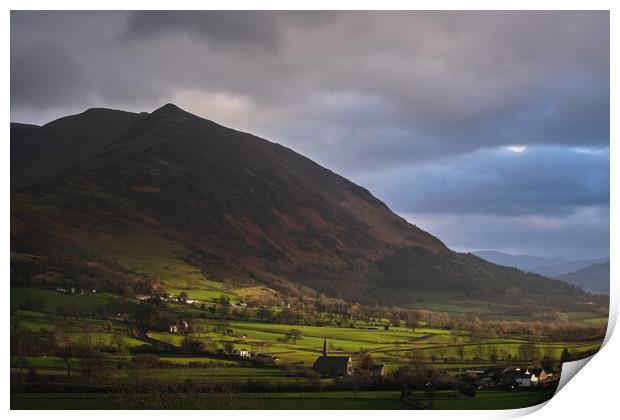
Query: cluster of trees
{"x": 550, "y": 325}
{"x": 90, "y": 353}
{"x": 556, "y": 329}
{"x": 196, "y": 345}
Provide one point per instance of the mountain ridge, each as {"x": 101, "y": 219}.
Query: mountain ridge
{"x": 593, "y": 278}
{"x": 226, "y": 203}
{"x": 552, "y": 267}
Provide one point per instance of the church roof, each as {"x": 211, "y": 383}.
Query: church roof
{"x": 332, "y": 363}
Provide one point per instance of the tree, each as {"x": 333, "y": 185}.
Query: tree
{"x": 128, "y": 291}
{"x": 547, "y": 363}
{"x": 61, "y": 311}
{"x": 416, "y": 357}
{"x": 94, "y": 363}
{"x": 527, "y": 351}
{"x": 183, "y": 296}
{"x": 120, "y": 342}
{"x": 478, "y": 353}
{"x": 460, "y": 350}
{"x": 32, "y": 376}
{"x": 229, "y": 347}
{"x": 294, "y": 334}
{"x": 22, "y": 363}
{"x": 413, "y": 324}
{"x": 492, "y": 351}
{"x": 442, "y": 351}
{"x": 264, "y": 314}
{"x": 566, "y": 356}
{"x": 366, "y": 361}
{"x": 192, "y": 345}
{"x": 64, "y": 348}
{"x": 224, "y": 310}
{"x": 287, "y": 316}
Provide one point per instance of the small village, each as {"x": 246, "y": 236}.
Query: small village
{"x": 342, "y": 366}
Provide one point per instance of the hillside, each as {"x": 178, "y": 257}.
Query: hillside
{"x": 593, "y": 278}
{"x": 126, "y": 202}
{"x": 551, "y": 267}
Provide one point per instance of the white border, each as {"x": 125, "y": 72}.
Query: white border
{"x": 594, "y": 391}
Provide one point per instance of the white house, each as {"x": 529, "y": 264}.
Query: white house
{"x": 241, "y": 353}
{"x": 523, "y": 381}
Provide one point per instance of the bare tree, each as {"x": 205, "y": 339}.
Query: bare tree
{"x": 294, "y": 334}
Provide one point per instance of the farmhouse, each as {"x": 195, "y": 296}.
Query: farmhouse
{"x": 184, "y": 326}
{"x": 523, "y": 380}
{"x": 538, "y": 376}
{"x": 523, "y": 377}
{"x": 378, "y": 370}
{"x": 241, "y": 353}
{"x": 519, "y": 377}
{"x": 333, "y": 366}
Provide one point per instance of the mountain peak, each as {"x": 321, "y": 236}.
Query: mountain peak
{"x": 243, "y": 209}
{"x": 170, "y": 108}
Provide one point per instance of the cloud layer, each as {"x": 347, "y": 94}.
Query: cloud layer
{"x": 418, "y": 106}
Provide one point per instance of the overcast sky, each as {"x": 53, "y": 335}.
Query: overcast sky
{"x": 488, "y": 129}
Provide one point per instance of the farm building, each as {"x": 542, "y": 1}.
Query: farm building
{"x": 523, "y": 377}
{"x": 333, "y": 366}
{"x": 183, "y": 326}
{"x": 538, "y": 376}
{"x": 378, "y": 370}
{"x": 241, "y": 353}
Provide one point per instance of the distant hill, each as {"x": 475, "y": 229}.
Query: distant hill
{"x": 551, "y": 267}
{"x": 593, "y": 278}
{"x": 120, "y": 201}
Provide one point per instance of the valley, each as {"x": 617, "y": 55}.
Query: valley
{"x": 170, "y": 262}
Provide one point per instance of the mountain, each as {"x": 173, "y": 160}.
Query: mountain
{"x": 127, "y": 201}
{"x": 593, "y": 278}
{"x": 551, "y": 267}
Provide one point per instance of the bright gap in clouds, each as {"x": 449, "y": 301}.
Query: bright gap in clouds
{"x": 515, "y": 149}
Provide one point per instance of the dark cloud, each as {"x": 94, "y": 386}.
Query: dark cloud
{"x": 416, "y": 105}
{"x": 583, "y": 234}
{"x": 45, "y": 75}
{"x": 546, "y": 180}
{"x": 247, "y": 29}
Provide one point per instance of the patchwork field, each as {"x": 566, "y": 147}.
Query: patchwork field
{"x": 111, "y": 324}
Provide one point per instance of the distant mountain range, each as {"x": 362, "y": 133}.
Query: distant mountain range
{"x": 590, "y": 274}
{"x": 115, "y": 200}
{"x": 593, "y": 278}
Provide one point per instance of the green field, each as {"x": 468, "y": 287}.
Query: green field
{"x": 99, "y": 319}
{"x": 51, "y": 300}
{"x": 339, "y": 400}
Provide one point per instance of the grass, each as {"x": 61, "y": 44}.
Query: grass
{"x": 582, "y": 316}
{"x": 391, "y": 347}
{"x": 50, "y": 300}
{"x": 252, "y": 401}
{"x": 494, "y": 400}
{"x": 369, "y": 400}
